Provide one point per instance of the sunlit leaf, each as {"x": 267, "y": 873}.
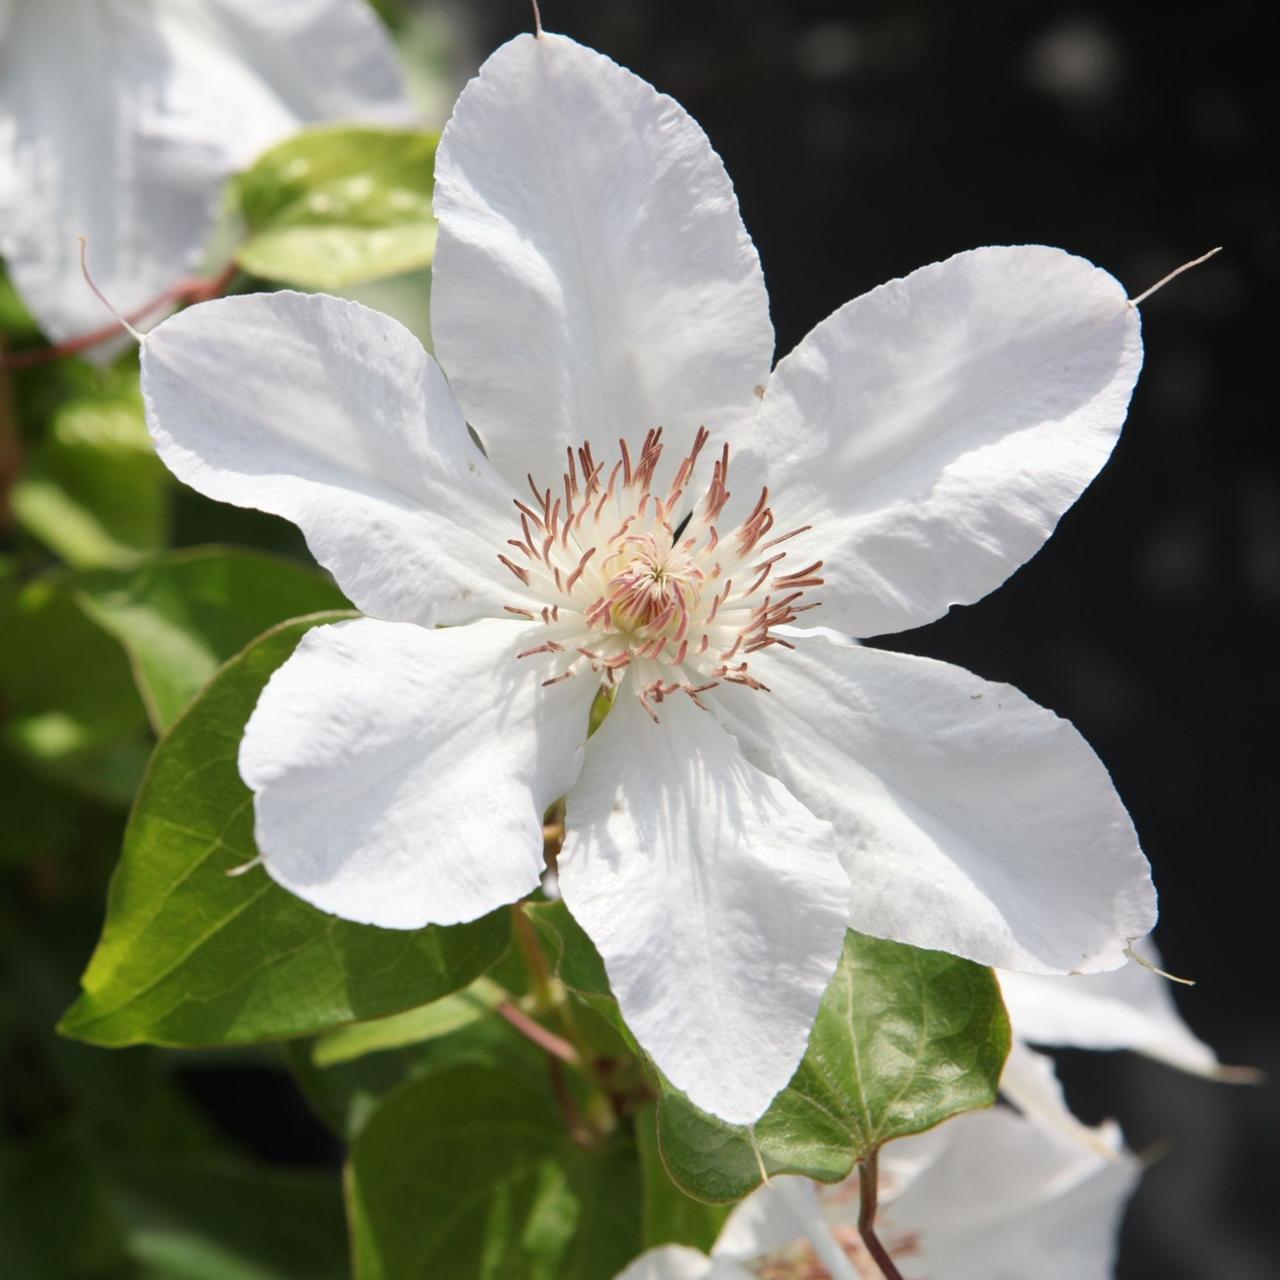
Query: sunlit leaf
{"x": 413, "y": 1026}
{"x": 337, "y": 205}
{"x": 191, "y": 956}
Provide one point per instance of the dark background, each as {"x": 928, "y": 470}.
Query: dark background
{"x": 868, "y": 139}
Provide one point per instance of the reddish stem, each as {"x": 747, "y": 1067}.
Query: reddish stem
{"x": 868, "y": 1189}
{"x": 189, "y": 290}
{"x": 546, "y": 1040}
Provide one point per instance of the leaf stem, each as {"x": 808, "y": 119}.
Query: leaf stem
{"x": 546, "y": 996}
{"x": 555, "y": 1045}
{"x": 868, "y": 1190}
{"x": 190, "y": 289}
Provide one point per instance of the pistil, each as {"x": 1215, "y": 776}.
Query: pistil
{"x": 620, "y": 592}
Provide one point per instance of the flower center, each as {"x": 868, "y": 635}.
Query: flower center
{"x": 624, "y": 585}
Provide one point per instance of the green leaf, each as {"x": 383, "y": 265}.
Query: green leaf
{"x": 671, "y": 1216}
{"x": 413, "y": 1026}
{"x": 72, "y": 713}
{"x": 190, "y": 956}
{"x": 182, "y": 615}
{"x": 510, "y": 1196}
{"x": 93, "y": 490}
{"x": 337, "y": 205}
{"x": 904, "y": 1039}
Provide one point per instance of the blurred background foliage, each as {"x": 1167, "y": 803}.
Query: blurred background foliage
{"x": 864, "y": 140}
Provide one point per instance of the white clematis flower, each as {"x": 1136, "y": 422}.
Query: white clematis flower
{"x": 756, "y": 788}
{"x": 120, "y": 120}
{"x": 986, "y": 1196}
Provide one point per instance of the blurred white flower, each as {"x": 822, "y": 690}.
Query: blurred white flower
{"x": 120, "y": 120}
{"x": 756, "y": 787}
{"x": 1127, "y": 1008}
{"x": 986, "y": 1196}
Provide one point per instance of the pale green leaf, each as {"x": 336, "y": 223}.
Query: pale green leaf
{"x": 336, "y": 205}
{"x": 413, "y": 1026}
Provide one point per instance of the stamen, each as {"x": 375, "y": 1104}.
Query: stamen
{"x": 621, "y": 583}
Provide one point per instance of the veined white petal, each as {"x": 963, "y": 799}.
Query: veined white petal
{"x": 401, "y": 773}
{"x": 333, "y": 416}
{"x": 121, "y": 119}
{"x": 592, "y": 277}
{"x": 1128, "y": 1008}
{"x": 934, "y": 430}
{"x": 1001, "y": 1198}
{"x": 969, "y": 819}
{"x": 1030, "y": 1081}
{"x": 715, "y": 898}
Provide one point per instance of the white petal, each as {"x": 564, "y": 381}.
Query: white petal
{"x": 592, "y": 277}
{"x": 334, "y": 417}
{"x": 1030, "y": 1081}
{"x": 1003, "y": 1199}
{"x": 765, "y": 1222}
{"x": 120, "y": 121}
{"x": 670, "y": 1262}
{"x": 714, "y": 897}
{"x": 1128, "y": 1008}
{"x": 934, "y": 430}
{"x": 401, "y": 773}
{"x": 969, "y": 819}
{"x": 774, "y": 1217}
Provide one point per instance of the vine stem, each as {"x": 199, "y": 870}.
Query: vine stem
{"x": 868, "y": 1190}
{"x": 190, "y": 289}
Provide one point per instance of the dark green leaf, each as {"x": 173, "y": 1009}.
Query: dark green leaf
{"x": 191, "y": 956}
{"x": 904, "y": 1039}
{"x": 180, "y": 616}
{"x": 469, "y": 1173}
{"x": 671, "y": 1216}
{"x": 337, "y": 205}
